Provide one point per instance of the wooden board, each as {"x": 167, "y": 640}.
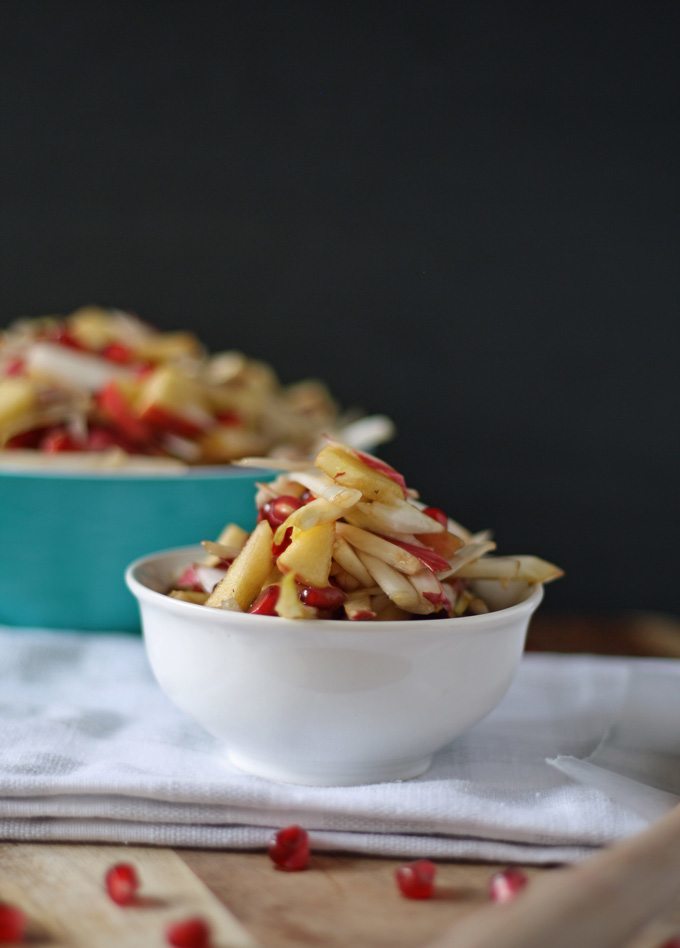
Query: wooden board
{"x": 340, "y": 901}
{"x": 61, "y": 889}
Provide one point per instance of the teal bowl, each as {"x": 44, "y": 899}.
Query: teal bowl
{"x": 67, "y": 538}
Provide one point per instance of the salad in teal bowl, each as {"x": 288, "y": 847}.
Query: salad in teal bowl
{"x": 118, "y": 439}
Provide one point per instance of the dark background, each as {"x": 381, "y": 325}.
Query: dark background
{"x": 464, "y": 215}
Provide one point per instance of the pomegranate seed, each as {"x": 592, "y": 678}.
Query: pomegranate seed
{"x": 122, "y": 883}
{"x": 228, "y": 418}
{"x": 326, "y": 597}
{"x": 165, "y": 420}
{"x": 289, "y": 849}
{"x": 114, "y": 405}
{"x": 100, "y": 439}
{"x": 278, "y": 510}
{"x": 117, "y": 352}
{"x": 189, "y": 933}
{"x": 265, "y": 604}
{"x": 278, "y": 548}
{"x": 15, "y": 367}
{"x": 672, "y": 943}
{"x": 142, "y": 369}
{"x": 27, "y": 439}
{"x": 416, "y": 879}
{"x": 12, "y": 924}
{"x": 58, "y": 440}
{"x": 62, "y": 336}
{"x": 505, "y": 885}
{"x": 437, "y": 514}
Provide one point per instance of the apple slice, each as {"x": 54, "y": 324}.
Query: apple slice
{"x": 308, "y": 516}
{"x": 173, "y": 401}
{"x": 288, "y": 605}
{"x": 347, "y": 469}
{"x": 18, "y": 399}
{"x": 92, "y": 327}
{"x": 167, "y": 346}
{"x": 247, "y": 573}
{"x": 308, "y": 556}
{"x": 223, "y": 444}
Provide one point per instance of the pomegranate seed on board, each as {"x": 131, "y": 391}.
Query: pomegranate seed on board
{"x": 289, "y": 849}
{"x": 265, "y": 604}
{"x": 189, "y": 933}
{"x": 436, "y": 513}
{"x": 12, "y": 924}
{"x": 671, "y": 943}
{"x": 122, "y": 883}
{"x": 328, "y": 597}
{"x": 506, "y": 885}
{"x": 278, "y": 510}
{"x": 416, "y": 879}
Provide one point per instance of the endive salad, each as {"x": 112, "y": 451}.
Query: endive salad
{"x": 347, "y": 538}
{"x": 100, "y": 386}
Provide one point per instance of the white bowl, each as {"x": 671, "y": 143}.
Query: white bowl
{"x": 326, "y": 702}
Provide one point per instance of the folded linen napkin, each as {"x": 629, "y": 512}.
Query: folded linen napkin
{"x": 92, "y": 750}
{"x": 637, "y": 762}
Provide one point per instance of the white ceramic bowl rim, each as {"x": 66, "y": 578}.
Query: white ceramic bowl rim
{"x": 190, "y": 610}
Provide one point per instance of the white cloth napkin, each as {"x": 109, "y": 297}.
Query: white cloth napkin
{"x": 91, "y": 749}
{"x": 638, "y": 761}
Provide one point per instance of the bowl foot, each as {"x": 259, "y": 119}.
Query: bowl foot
{"x": 331, "y": 775}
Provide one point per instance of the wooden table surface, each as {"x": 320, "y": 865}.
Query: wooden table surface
{"x": 343, "y": 900}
